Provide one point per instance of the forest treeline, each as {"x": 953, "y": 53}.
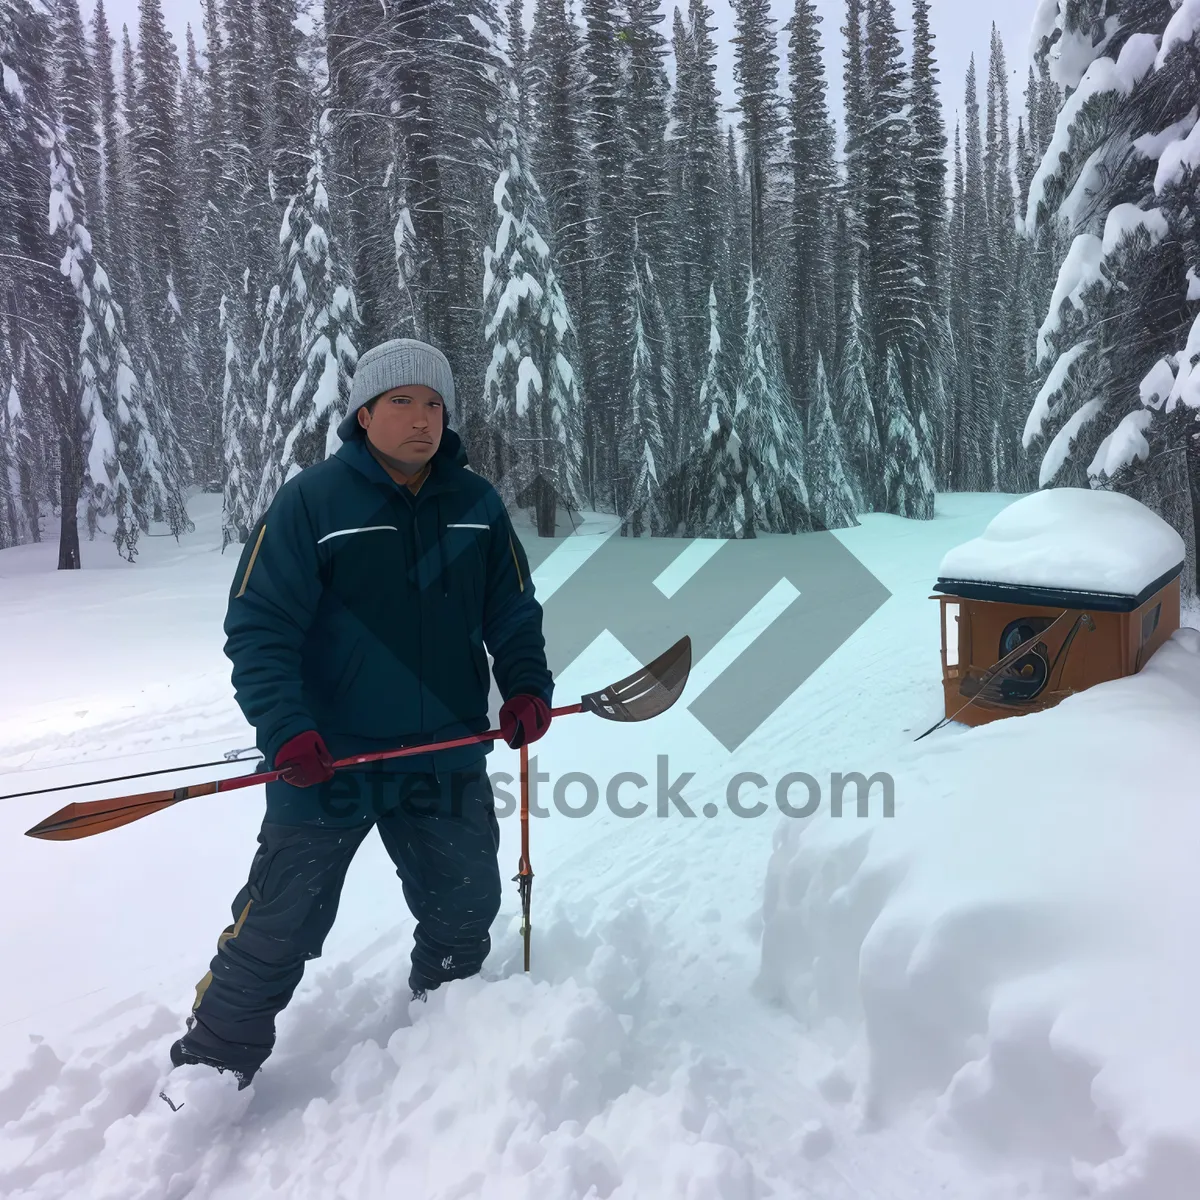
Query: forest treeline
{"x": 711, "y": 315}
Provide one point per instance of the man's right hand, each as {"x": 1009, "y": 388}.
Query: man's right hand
{"x": 305, "y": 760}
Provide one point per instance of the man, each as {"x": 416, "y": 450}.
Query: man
{"x": 358, "y": 620}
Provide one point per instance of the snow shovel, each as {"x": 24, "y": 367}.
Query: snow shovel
{"x": 646, "y": 693}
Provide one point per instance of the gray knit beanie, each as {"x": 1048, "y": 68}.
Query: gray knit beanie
{"x": 398, "y": 363}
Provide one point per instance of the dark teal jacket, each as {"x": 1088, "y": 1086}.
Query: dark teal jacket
{"x": 364, "y": 612}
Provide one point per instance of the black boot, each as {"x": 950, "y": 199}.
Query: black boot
{"x": 183, "y": 1056}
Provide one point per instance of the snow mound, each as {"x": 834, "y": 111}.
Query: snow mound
{"x": 1016, "y": 946}
{"x": 514, "y": 1086}
{"x": 1077, "y": 539}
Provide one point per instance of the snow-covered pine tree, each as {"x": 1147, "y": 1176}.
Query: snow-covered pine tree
{"x": 472, "y": 91}
{"x": 244, "y": 100}
{"x": 75, "y": 89}
{"x": 893, "y": 292}
{"x": 735, "y": 260}
{"x": 768, "y": 426}
{"x": 604, "y": 320}
{"x": 909, "y": 486}
{"x": 998, "y": 298}
{"x": 124, "y": 469}
{"x": 929, "y": 198}
{"x": 642, "y": 502}
{"x": 191, "y": 117}
{"x": 716, "y": 474}
{"x": 213, "y": 248}
{"x": 314, "y": 328}
{"x": 766, "y": 415}
{"x": 530, "y": 396}
{"x": 36, "y": 346}
{"x": 855, "y": 100}
{"x": 855, "y": 412}
{"x": 18, "y": 508}
{"x": 644, "y": 98}
{"x": 309, "y": 343}
{"x": 974, "y": 336}
{"x": 832, "y": 496}
{"x": 232, "y": 268}
{"x": 560, "y": 155}
{"x": 1118, "y": 408}
{"x": 419, "y": 302}
{"x": 519, "y": 50}
{"x": 128, "y": 90}
{"x": 164, "y": 265}
{"x": 702, "y": 185}
{"x": 756, "y": 70}
{"x": 287, "y": 104}
{"x": 113, "y": 181}
{"x": 811, "y": 141}
{"x": 240, "y": 427}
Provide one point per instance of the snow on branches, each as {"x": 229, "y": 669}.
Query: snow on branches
{"x": 531, "y": 397}
{"x": 126, "y": 473}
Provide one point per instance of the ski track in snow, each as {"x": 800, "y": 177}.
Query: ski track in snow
{"x": 641, "y": 1057}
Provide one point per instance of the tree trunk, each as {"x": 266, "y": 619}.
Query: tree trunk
{"x": 1192, "y": 460}
{"x": 545, "y": 506}
{"x": 70, "y": 477}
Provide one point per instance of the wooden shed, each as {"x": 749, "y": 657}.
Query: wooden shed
{"x": 1065, "y": 588}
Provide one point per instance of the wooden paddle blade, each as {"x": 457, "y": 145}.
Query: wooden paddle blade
{"x": 96, "y": 816}
{"x": 648, "y": 691}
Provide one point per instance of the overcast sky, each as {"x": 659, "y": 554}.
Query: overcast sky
{"x": 961, "y": 28}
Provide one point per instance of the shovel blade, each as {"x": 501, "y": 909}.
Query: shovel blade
{"x": 649, "y": 691}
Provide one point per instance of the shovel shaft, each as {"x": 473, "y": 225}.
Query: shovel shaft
{"x": 524, "y": 870}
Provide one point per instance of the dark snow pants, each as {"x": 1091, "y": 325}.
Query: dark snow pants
{"x": 442, "y": 834}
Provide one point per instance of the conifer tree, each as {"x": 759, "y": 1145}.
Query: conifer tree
{"x": 605, "y": 319}
{"x": 717, "y": 507}
{"x": 756, "y": 69}
{"x": 975, "y": 336}
{"x": 309, "y": 343}
{"x": 123, "y": 468}
{"x": 735, "y": 275}
{"x": 163, "y": 262}
{"x": 855, "y": 90}
{"x": 775, "y": 494}
{"x": 77, "y": 111}
{"x": 559, "y": 157}
{"x": 814, "y": 177}
{"x": 857, "y": 422}
{"x": 643, "y": 505}
{"x": 112, "y": 236}
{"x": 893, "y": 291}
{"x": 18, "y": 511}
{"x": 287, "y": 104}
{"x": 703, "y": 182}
{"x": 908, "y": 482}
{"x": 929, "y": 198}
{"x": 530, "y": 394}
{"x": 1118, "y": 344}
{"x": 833, "y": 497}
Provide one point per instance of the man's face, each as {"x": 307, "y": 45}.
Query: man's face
{"x": 405, "y": 424}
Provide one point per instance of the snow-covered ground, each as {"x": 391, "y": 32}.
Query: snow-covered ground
{"x": 991, "y": 994}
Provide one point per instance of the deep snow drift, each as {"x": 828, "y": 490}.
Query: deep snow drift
{"x": 988, "y": 995}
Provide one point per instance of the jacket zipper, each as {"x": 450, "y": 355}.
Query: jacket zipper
{"x": 417, "y": 559}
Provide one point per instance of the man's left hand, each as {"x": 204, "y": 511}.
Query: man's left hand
{"x": 524, "y": 719}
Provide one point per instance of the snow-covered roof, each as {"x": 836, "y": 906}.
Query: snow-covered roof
{"x": 1069, "y": 540}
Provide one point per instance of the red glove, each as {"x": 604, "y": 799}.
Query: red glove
{"x": 304, "y": 759}
{"x": 524, "y": 719}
